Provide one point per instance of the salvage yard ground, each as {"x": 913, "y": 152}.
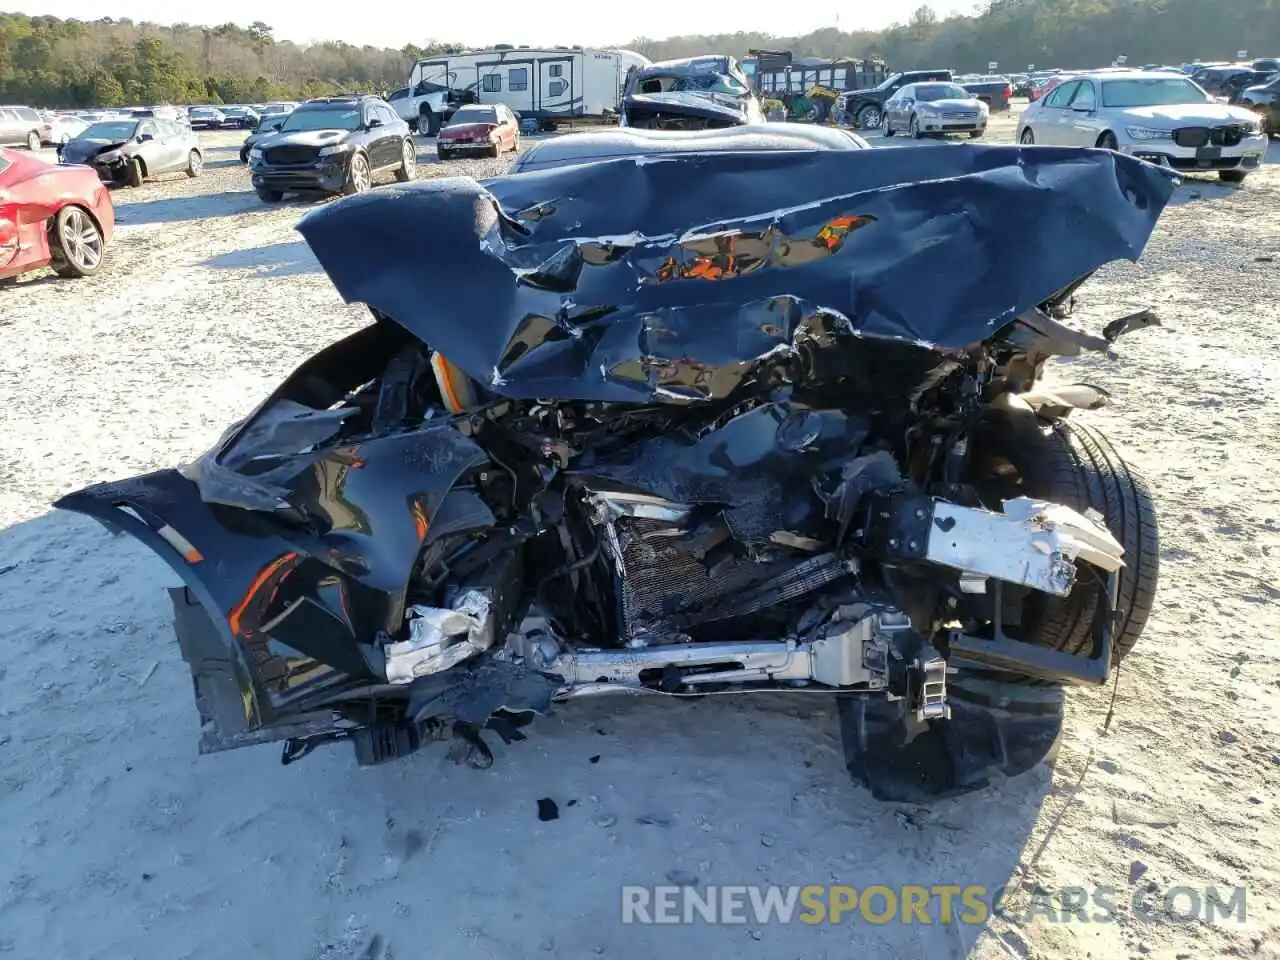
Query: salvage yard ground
{"x": 119, "y": 842}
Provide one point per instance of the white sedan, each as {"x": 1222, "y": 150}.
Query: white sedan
{"x": 1160, "y": 117}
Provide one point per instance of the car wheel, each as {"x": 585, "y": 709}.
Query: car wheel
{"x": 270, "y": 196}
{"x": 1027, "y": 136}
{"x": 408, "y": 161}
{"x": 33, "y": 141}
{"x": 134, "y": 174}
{"x": 870, "y": 118}
{"x": 428, "y": 122}
{"x": 888, "y": 127}
{"x": 75, "y": 243}
{"x": 195, "y": 163}
{"x": 1108, "y": 141}
{"x": 913, "y": 128}
{"x": 975, "y": 134}
{"x": 244, "y": 156}
{"x": 1232, "y": 176}
{"x": 1071, "y": 463}
{"x": 442, "y": 154}
{"x": 359, "y": 180}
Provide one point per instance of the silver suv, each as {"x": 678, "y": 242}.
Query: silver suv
{"x": 21, "y": 126}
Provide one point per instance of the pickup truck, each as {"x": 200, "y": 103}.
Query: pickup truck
{"x": 865, "y": 108}
{"x": 993, "y": 91}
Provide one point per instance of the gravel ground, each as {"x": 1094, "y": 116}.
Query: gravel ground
{"x": 120, "y": 842}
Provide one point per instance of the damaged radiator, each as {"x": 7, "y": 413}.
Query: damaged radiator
{"x": 669, "y": 584}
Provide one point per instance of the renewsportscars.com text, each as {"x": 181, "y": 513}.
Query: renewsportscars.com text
{"x": 939, "y": 903}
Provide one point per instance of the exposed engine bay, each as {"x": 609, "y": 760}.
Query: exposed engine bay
{"x": 683, "y": 460}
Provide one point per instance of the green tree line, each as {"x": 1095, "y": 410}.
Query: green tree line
{"x": 50, "y": 62}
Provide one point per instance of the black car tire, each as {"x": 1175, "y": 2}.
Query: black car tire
{"x": 975, "y": 134}
{"x": 244, "y": 155}
{"x": 134, "y": 175}
{"x": 359, "y": 175}
{"x": 887, "y": 130}
{"x": 913, "y": 128}
{"x": 1075, "y": 465}
{"x": 75, "y": 243}
{"x": 443, "y": 154}
{"x": 33, "y": 140}
{"x": 195, "y": 164}
{"x": 269, "y": 196}
{"x": 1027, "y": 138}
{"x": 408, "y": 161}
{"x": 869, "y": 117}
{"x": 1232, "y": 176}
{"x": 428, "y": 122}
{"x": 1108, "y": 141}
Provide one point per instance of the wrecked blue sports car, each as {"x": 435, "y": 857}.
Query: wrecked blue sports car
{"x": 712, "y": 414}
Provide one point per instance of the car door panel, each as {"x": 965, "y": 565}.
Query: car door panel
{"x": 1051, "y": 126}
{"x": 1081, "y": 117}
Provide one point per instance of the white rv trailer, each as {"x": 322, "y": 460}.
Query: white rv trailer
{"x": 543, "y": 83}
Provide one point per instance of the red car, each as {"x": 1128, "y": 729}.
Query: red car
{"x": 489, "y": 129}
{"x": 57, "y": 216}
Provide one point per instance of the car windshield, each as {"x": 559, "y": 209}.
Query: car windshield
{"x": 271, "y": 124}
{"x": 109, "y": 130}
{"x": 474, "y": 115}
{"x": 1151, "y": 92}
{"x": 336, "y": 116}
{"x": 888, "y": 81}
{"x": 942, "y": 91}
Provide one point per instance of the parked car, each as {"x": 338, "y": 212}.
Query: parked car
{"x": 267, "y": 125}
{"x": 206, "y": 118}
{"x": 1267, "y": 64}
{"x": 923, "y": 109}
{"x": 51, "y": 216}
{"x": 64, "y": 127}
{"x": 127, "y": 152}
{"x": 22, "y": 126}
{"x": 1238, "y": 84}
{"x": 333, "y": 145}
{"x": 1264, "y": 101}
{"x": 1158, "y": 117}
{"x": 488, "y": 129}
{"x": 239, "y": 118}
{"x": 865, "y": 108}
{"x": 692, "y": 93}
{"x": 284, "y": 107}
{"x": 995, "y": 92}
{"x": 1228, "y": 81}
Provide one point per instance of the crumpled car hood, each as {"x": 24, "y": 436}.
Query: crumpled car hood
{"x": 668, "y": 278}
{"x": 85, "y": 149}
{"x": 704, "y": 105}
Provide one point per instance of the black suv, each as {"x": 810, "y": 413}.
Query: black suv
{"x": 333, "y": 145}
{"x": 865, "y": 108}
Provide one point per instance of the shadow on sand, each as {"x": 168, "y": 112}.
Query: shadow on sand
{"x": 285, "y": 259}
{"x": 719, "y": 791}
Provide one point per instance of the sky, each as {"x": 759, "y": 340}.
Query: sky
{"x": 502, "y": 21}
